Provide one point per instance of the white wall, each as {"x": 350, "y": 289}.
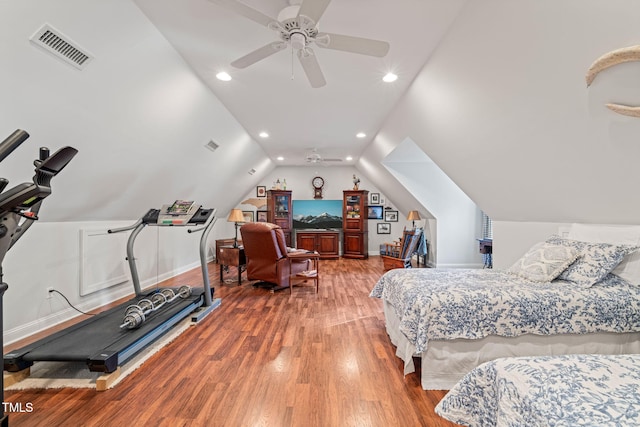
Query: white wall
{"x": 457, "y": 218}
{"x": 502, "y": 107}
{"x": 140, "y": 120}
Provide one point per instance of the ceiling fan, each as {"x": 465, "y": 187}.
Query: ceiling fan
{"x": 315, "y": 157}
{"x": 297, "y": 26}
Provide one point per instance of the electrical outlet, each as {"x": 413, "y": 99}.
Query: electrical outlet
{"x": 49, "y": 292}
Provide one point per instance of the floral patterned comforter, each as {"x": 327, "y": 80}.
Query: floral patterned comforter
{"x": 448, "y": 304}
{"x": 570, "y": 390}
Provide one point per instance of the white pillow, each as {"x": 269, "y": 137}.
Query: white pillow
{"x": 629, "y": 267}
{"x": 596, "y": 260}
{"x": 544, "y": 262}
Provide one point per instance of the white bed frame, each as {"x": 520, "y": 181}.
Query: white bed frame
{"x": 445, "y": 362}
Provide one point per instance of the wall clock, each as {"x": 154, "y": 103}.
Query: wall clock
{"x": 318, "y": 183}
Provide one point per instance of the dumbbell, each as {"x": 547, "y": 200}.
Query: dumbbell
{"x": 167, "y": 296}
{"x": 135, "y": 315}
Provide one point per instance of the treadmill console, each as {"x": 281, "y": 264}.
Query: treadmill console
{"x": 178, "y": 213}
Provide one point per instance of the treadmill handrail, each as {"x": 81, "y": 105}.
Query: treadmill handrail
{"x": 127, "y": 228}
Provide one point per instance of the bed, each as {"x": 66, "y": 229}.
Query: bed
{"x": 455, "y": 320}
{"x": 569, "y": 390}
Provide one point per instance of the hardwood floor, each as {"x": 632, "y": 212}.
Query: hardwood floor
{"x": 262, "y": 359}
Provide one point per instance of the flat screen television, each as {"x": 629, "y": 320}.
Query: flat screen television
{"x": 375, "y": 212}
{"x": 318, "y": 214}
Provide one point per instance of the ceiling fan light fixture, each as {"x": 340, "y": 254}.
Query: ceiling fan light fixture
{"x": 298, "y": 41}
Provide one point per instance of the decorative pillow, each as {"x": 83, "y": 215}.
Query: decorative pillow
{"x": 544, "y": 261}
{"x": 629, "y": 267}
{"x": 595, "y": 262}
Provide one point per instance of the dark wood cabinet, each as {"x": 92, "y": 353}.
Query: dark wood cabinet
{"x": 279, "y": 211}
{"x": 325, "y": 242}
{"x": 355, "y": 224}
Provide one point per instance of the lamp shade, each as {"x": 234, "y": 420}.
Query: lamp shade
{"x": 413, "y": 216}
{"x": 235, "y": 216}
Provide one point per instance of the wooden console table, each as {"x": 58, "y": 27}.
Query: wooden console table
{"x": 230, "y": 256}
{"x": 325, "y": 242}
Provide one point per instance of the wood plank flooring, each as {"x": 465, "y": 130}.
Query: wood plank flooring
{"x": 262, "y": 359}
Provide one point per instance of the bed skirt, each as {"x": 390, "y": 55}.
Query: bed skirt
{"x": 445, "y": 362}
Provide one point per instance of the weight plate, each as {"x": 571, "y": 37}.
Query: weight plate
{"x": 133, "y": 308}
{"x": 184, "y": 291}
{"x": 168, "y": 293}
{"x": 158, "y": 299}
{"x": 146, "y": 305}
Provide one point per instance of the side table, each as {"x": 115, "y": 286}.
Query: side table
{"x": 312, "y": 274}
{"x": 232, "y": 257}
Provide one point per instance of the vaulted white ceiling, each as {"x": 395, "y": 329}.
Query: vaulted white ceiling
{"x": 274, "y": 95}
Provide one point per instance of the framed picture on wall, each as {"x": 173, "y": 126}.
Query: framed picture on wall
{"x": 261, "y": 216}
{"x": 391, "y": 216}
{"x": 384, "y": 228}
{"x": 261, "y": 191}
{"x": 248, "y": 216}
{"x": 375, "y": 199}
{"x": 374, "y": 212}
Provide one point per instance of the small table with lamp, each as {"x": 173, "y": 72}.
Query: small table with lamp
{"x": 232, "y": 255}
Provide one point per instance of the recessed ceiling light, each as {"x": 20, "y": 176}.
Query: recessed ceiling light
{"x": 361, "y": 135}
{"x": 263, "y": 135}
{"x": 390, "y": 77}
{"x": 224, "y": 76}
{"x": 280, "y": 158}
{"x": 349, "y": 158}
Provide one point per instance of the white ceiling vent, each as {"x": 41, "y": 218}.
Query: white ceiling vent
{"x": 212, "y": 145}
{"x": 61, "y": 46}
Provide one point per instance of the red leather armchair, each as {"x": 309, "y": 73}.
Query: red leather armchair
{"x": 266, "y": 252}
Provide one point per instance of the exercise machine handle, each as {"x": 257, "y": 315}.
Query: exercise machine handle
{"x": 12, "y": 142}
{"x": 127, "y": 228}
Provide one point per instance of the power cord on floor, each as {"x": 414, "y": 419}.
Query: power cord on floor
{"x": 69, "y": 302}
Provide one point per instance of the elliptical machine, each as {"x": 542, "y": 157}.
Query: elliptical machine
{"x": 19, "y": 208}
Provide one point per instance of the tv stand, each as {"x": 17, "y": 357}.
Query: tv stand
{"x": 325, "y": 242}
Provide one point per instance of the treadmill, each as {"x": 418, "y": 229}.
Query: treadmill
{"x": 105, "y": 341}
{"x": 19, "y": 208}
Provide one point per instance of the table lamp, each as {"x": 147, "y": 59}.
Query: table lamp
{"x": 413, "y": 216}
{"x": 235, "y": 216}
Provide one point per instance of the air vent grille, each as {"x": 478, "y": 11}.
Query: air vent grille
{"x": 211, "y": 145}
{"x": 59, "y": 45}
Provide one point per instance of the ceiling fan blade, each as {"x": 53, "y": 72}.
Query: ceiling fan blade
{"x": 313, "y": 9}
{"x": 245, "y": 11}
{"x": 258, "y": 54}
{"x": 311, "y": 68}
{"x": 353, "y": 44}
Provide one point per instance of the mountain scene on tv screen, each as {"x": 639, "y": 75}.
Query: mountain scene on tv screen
{"x": 324, "y": 220}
